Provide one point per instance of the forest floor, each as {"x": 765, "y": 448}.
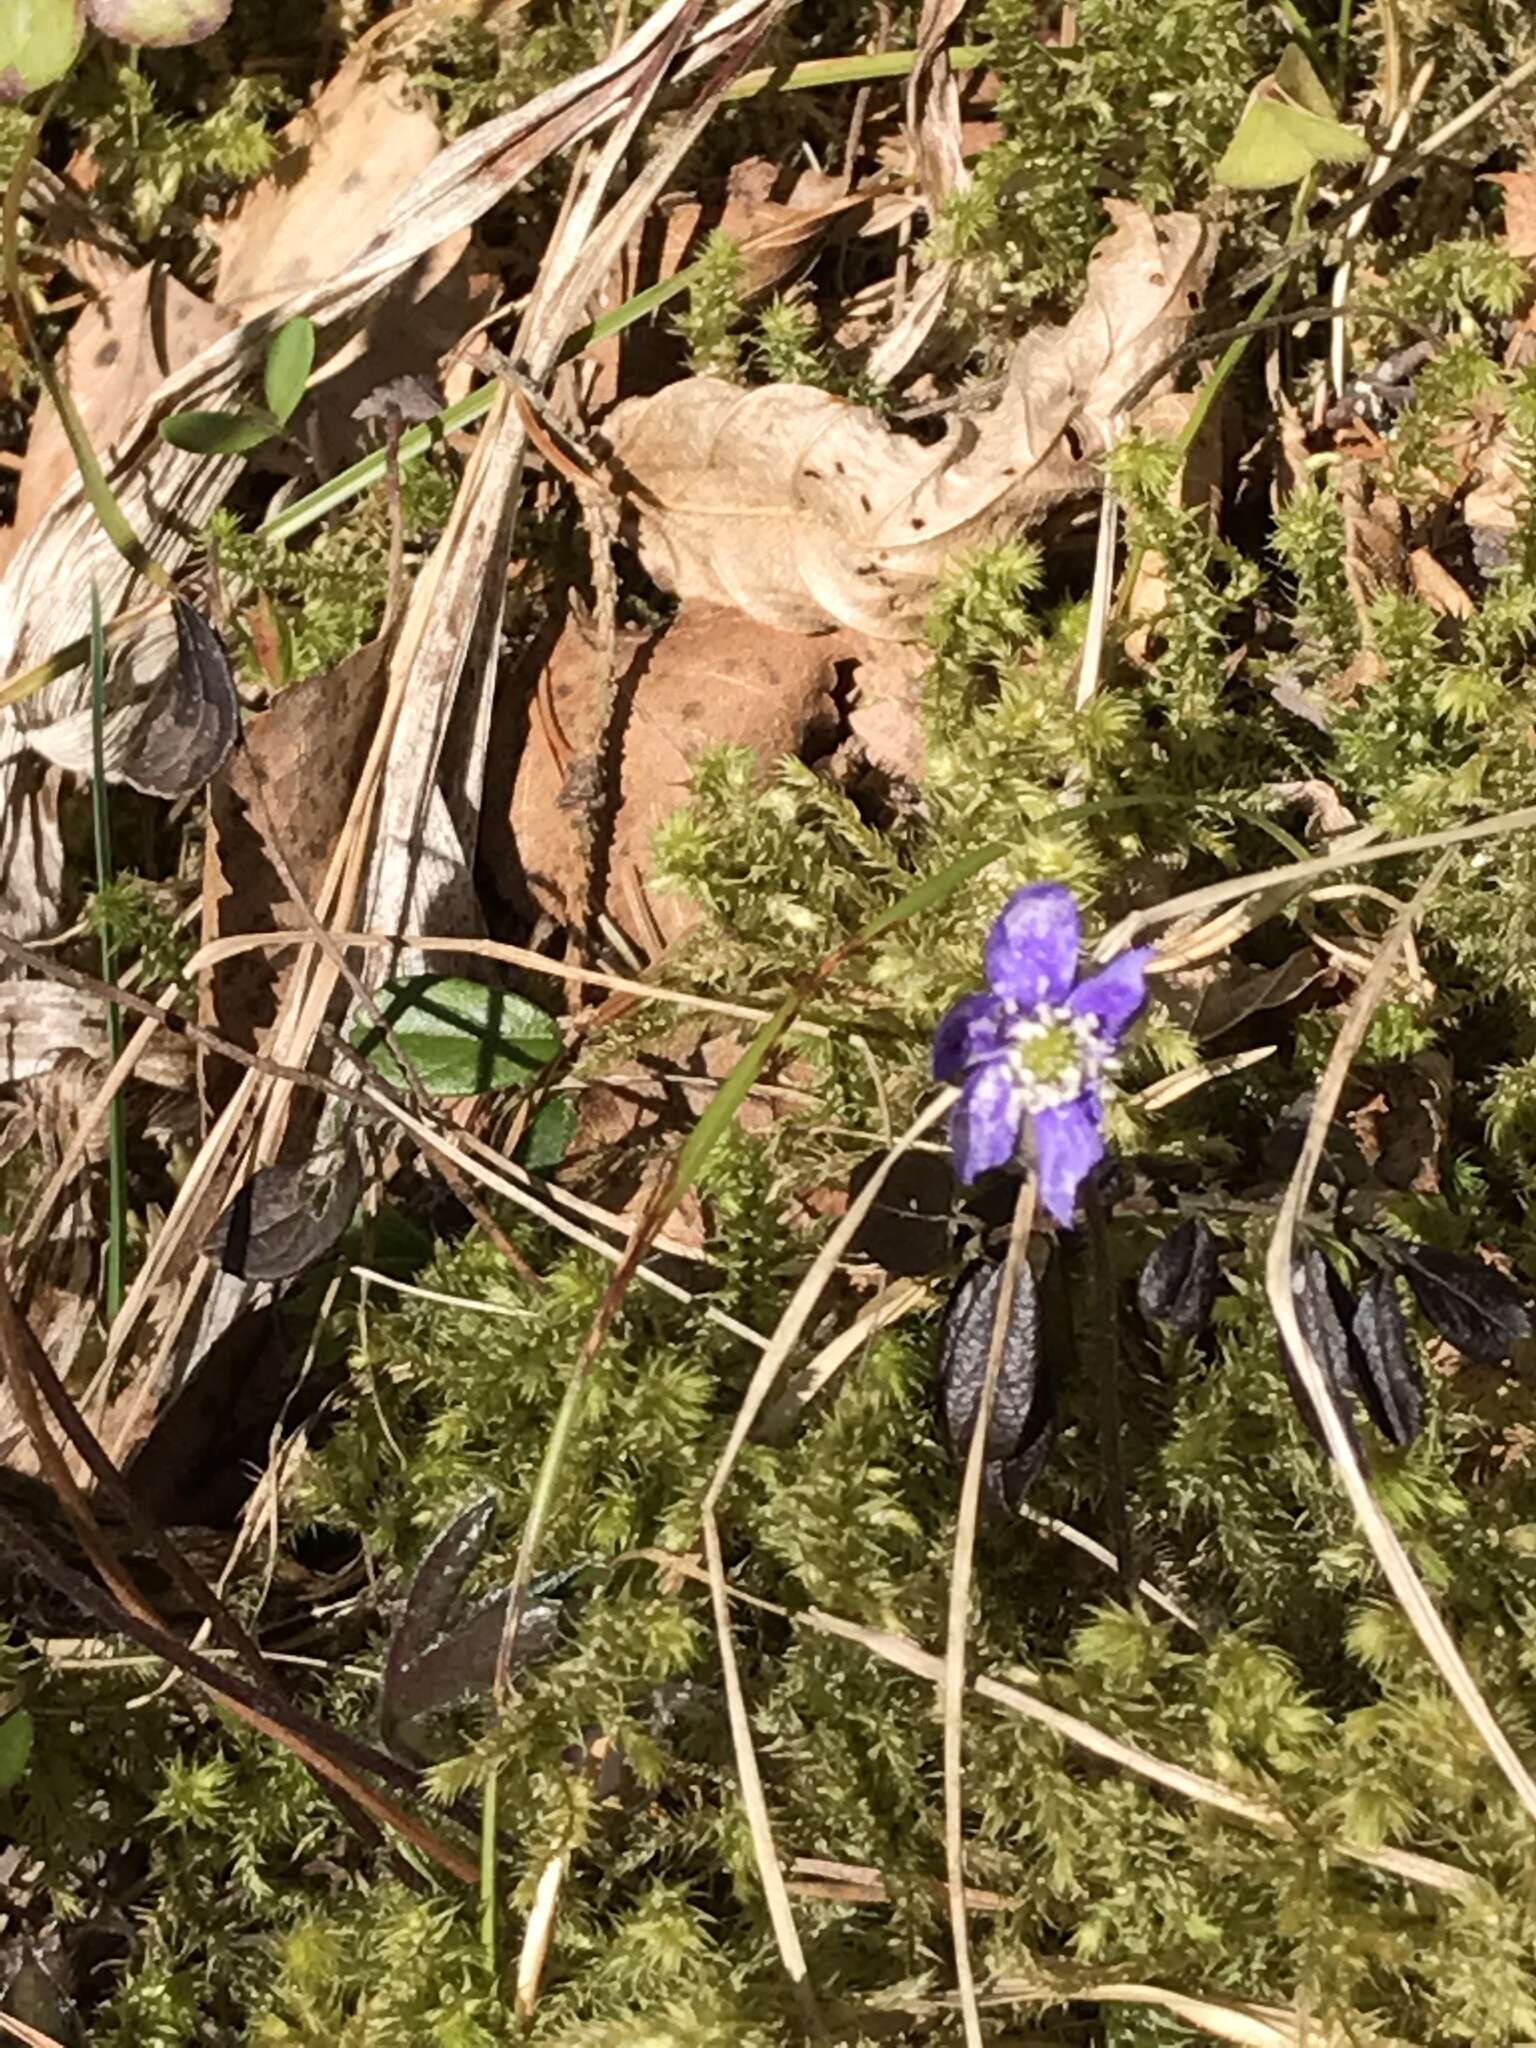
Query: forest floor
{"x": 584, "y": 1457}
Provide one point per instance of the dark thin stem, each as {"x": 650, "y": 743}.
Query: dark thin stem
{"x": 1104, "y": 1343}
{"x": 91, "y": 1600}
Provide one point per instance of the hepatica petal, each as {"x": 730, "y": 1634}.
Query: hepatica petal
{"x": 968, "y": 1031}
{"x": 984, "y": 1128}
{"x": 1032, "y": 949}
{"x": 1115, "y": 993}
{"x": 1068, "y": 1145}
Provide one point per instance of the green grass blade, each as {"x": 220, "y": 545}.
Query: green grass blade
{"x": 489, "y": 1914}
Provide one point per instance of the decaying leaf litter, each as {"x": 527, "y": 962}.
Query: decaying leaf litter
{"x": 953, "y": 521}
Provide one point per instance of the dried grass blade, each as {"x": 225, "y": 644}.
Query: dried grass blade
{"x": 906, "y": 1655}
{"x": 769, "y": 1869}
{"x": 1396, "y": 1566}
{"x": 953, "y": 1685}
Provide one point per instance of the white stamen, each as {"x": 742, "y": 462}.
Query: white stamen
{"x": 1094, "y": 1057}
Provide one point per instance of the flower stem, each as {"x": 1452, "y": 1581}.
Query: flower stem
{"x": 1105, "y": 1347}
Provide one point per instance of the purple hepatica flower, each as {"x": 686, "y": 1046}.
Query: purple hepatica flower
{"x": 1034, "y": 1049}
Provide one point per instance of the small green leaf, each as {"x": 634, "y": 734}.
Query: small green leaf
{"x": 1288, "y": 128}
{"x": 217, "y": 433}
{"x": 290, "y": 358}
{"x": 547, "y": 1138}
{"x": 15, "y": 1747}
{"x": 1298, "y": 80}
{"x": 38, "y": 41}
{"x": 461, "y": 1037}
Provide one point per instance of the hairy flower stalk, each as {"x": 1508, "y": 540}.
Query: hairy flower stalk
{"x": 1032, "y": 1053}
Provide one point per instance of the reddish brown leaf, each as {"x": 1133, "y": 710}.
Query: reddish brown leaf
{"x": 713, "y": 677}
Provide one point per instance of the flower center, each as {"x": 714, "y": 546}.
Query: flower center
{"x": 1055, "y": 1054}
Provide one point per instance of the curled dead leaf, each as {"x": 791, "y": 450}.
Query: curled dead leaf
{"x": 192, "y": 717}
{"x": 806, "y": 512}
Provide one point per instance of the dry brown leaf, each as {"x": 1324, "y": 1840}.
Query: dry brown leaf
{"x": 806, "y": 512}
{"x": 303, "y": 757}
{"x": 712, "y": 678}
{"x": 1439, "y": 589}
{"x": 886, "y": 734}
{"x": 120, "y": 350}
{"x": 43, "y": 1023}
{"x": 1229, "y": 991}
{"x": 1406, "y": 1133}
{"x": 1519, "y": 211}
{"x": 1374, "y": 555}
{"x": 341, "y": 165}
{"x": 1499, "y": 490}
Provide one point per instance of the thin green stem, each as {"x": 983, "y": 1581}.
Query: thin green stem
{"x": 490, "y": 1917}
{"x": 101, "y": 820}
{"x": 93, "y": 480}
{"x": 1234, "y": 352}
{"x": 1346, "y": 24}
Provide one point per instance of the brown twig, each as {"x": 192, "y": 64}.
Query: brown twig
{"x": 313, "y": 1741}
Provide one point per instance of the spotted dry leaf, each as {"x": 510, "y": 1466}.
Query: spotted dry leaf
{"x": 806, "y": 512}
{"x": 711, "y": 679}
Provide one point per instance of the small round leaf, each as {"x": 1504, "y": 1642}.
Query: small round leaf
{"x": 159, "y": 24}
{"x": 38, "y": 41}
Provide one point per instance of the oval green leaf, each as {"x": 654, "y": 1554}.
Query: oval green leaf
{"x": 290, "y": 358}
{"x": 38, "y": 41}
{"x": 15, "y": 1747}
{"x": 216, "y": 433}
{"x": 548, "y": 1137}
{"x": 461, "y": 1037}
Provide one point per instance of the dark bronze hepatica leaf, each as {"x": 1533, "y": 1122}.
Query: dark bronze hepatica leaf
{"x": 965, "y": 1341}
{"x": 439, "y": 1653}
{"x": 285, "y": 1218}
{"x": 1385, "y": 1370}
{"x": 1469, "y": 1302}
{"x": 189, "y": 724}
{"x": 1178, "y": 1283}
{"x": 1324, "y": 1311}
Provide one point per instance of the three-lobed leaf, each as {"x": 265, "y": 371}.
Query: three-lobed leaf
{"x": 1288, "y": 128}
{"x": 461, "y": 1037}
{"x": 1178, "y": 1283}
